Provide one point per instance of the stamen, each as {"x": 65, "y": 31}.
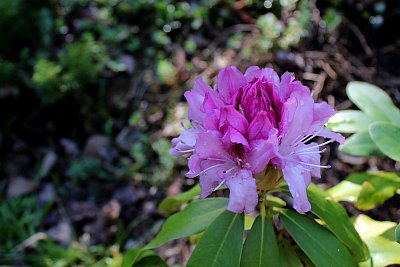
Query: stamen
{"x": 312, "y": 136}
{"x": 186, "y": 151}
{"x": 312, "y": 147}
{"x": 317, "y": 166}
{"x": 311, "y": 152}
{"x": 210, "y": 168}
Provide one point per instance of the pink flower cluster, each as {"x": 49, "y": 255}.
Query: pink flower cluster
{"x": 248, "y": 122}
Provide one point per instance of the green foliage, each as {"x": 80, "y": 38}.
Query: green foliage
{"x": 384, "y": 251}
{"x": 193, "y": 219}
{"x": 376, "y": 127}
{"x": 20, "y": 218}
{"x": 172, "y": 203}
{"x": 221, "y": 244}
{"x": 332, "y": 19}
{"x": 367, "y": 190}
{"x": 137, "y": 257}
{"x": 260, "y": 248}
{"x": 386, "y": 137}
{"x": 309, "y": 235}
{"x": 83, "y": 168}
{"x": 79, "y": 65}
{"x": 337, "y": 221}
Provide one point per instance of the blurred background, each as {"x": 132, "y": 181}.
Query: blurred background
{"x": 91, "y": 92}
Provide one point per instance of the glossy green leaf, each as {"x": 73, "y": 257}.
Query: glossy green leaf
{"x": 260, "y": 248}
{"x": 387, "y": 137}
{"x": 373, "y": 101}
{"x": 221, "y": 244}
{"x": 153, "y": 260}
{"x": 368, "y": 227}
{"x": 132, "y": 256}
{"x": 320, "y": 245}
{"x": 336, "y": 219}
{"x": 287, "y": 254}
{"x": 377, "y": 190}
{"x": 139, "y": 257}
{"x": 383, "y": 251}
{"x": 345, "y": 191}
{"x": 172, "y": 203}
{"x": 360, "y": 144}
{"x": 397, "y": 233}
{"x": 197, "y": 216}
{"x": 350, "y": 121}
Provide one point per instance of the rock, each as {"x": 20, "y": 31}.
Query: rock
{"x": 61, "y": 233}
{"x": 127, "y": 137}
{"x": 48, "y": 163}
{"x": 96, "y": 146}
{"x": 19, "y": 186}
{"x": 70, "y": 147}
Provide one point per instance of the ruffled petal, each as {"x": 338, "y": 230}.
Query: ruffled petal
{"x": 269, "y": 74}
{"x": 185, "y": 143}
{"x": 296, "y": 119}
{"x": 229, "y": 80}
{"x": 230, "y": 117}
{"x": 243, "y": 192}
{"x": 298, "y": 180}
{"x": 260, "y": 127}
{"x": 262, "y": 151}
{"x": 234, "y": 136}
{"x": 209, "y": 145}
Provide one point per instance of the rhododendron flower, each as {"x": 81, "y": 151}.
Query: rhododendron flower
{"x": 247, "y": 124}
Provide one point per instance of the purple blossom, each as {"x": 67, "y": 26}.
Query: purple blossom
{"x": 247, "y": 123}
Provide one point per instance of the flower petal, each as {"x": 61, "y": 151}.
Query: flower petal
{"x": 260, "y": 127}
{"x": 185, "y": 143}
{"x": 243, "y": 192}
{"x": 269, "y": 74}
{"x": 233, "y": 118}
{"x": 229, "y": 80}
{"x": 298, "y": 180}
{"x": 262, "y": 151}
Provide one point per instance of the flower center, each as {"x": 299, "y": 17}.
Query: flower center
{"x": 257, "y": 96}
{"x": 237, "y": 151}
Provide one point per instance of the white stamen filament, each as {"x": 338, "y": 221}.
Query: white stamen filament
{"x": 312, "y": 147}
{"x": 210, "y": 168}
{"x": 186, "y": 151}
{"x": 316, "y": 166}
{"x": 311, "y": 152}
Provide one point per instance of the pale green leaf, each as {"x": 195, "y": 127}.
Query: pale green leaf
{"x": 350, "y": 121}
{"x": 387, "y": 137}
{"x": 373, "y": 101}
{"x": 360, "y": 144}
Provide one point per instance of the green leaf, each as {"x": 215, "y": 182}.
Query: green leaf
{"x": 397, "y": 233}
{"x": 337, "y": 221}
{"x": 377, "y": 190}
{"x": 139, "y": 257}
{"x": 350, "y": 121}
{"x": 360, "y": 144}
{"x": 345, "y": 191}
{"x": 320, "y": 245}
{"x": 368, "y": 227}
{"x": 193, "y": 219}
{"x": 373, "y": 101}
{"x": 153, "y": 260}
{"x": 172, "y": 203}
{"x": 132, "y": 256}
{"x": 386, "y": 136}
{"x": 221, "y": 244}
{"x": 260, "y": 248}
{"x": 287, "y": 254}
{"x": 383, "y": 251}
